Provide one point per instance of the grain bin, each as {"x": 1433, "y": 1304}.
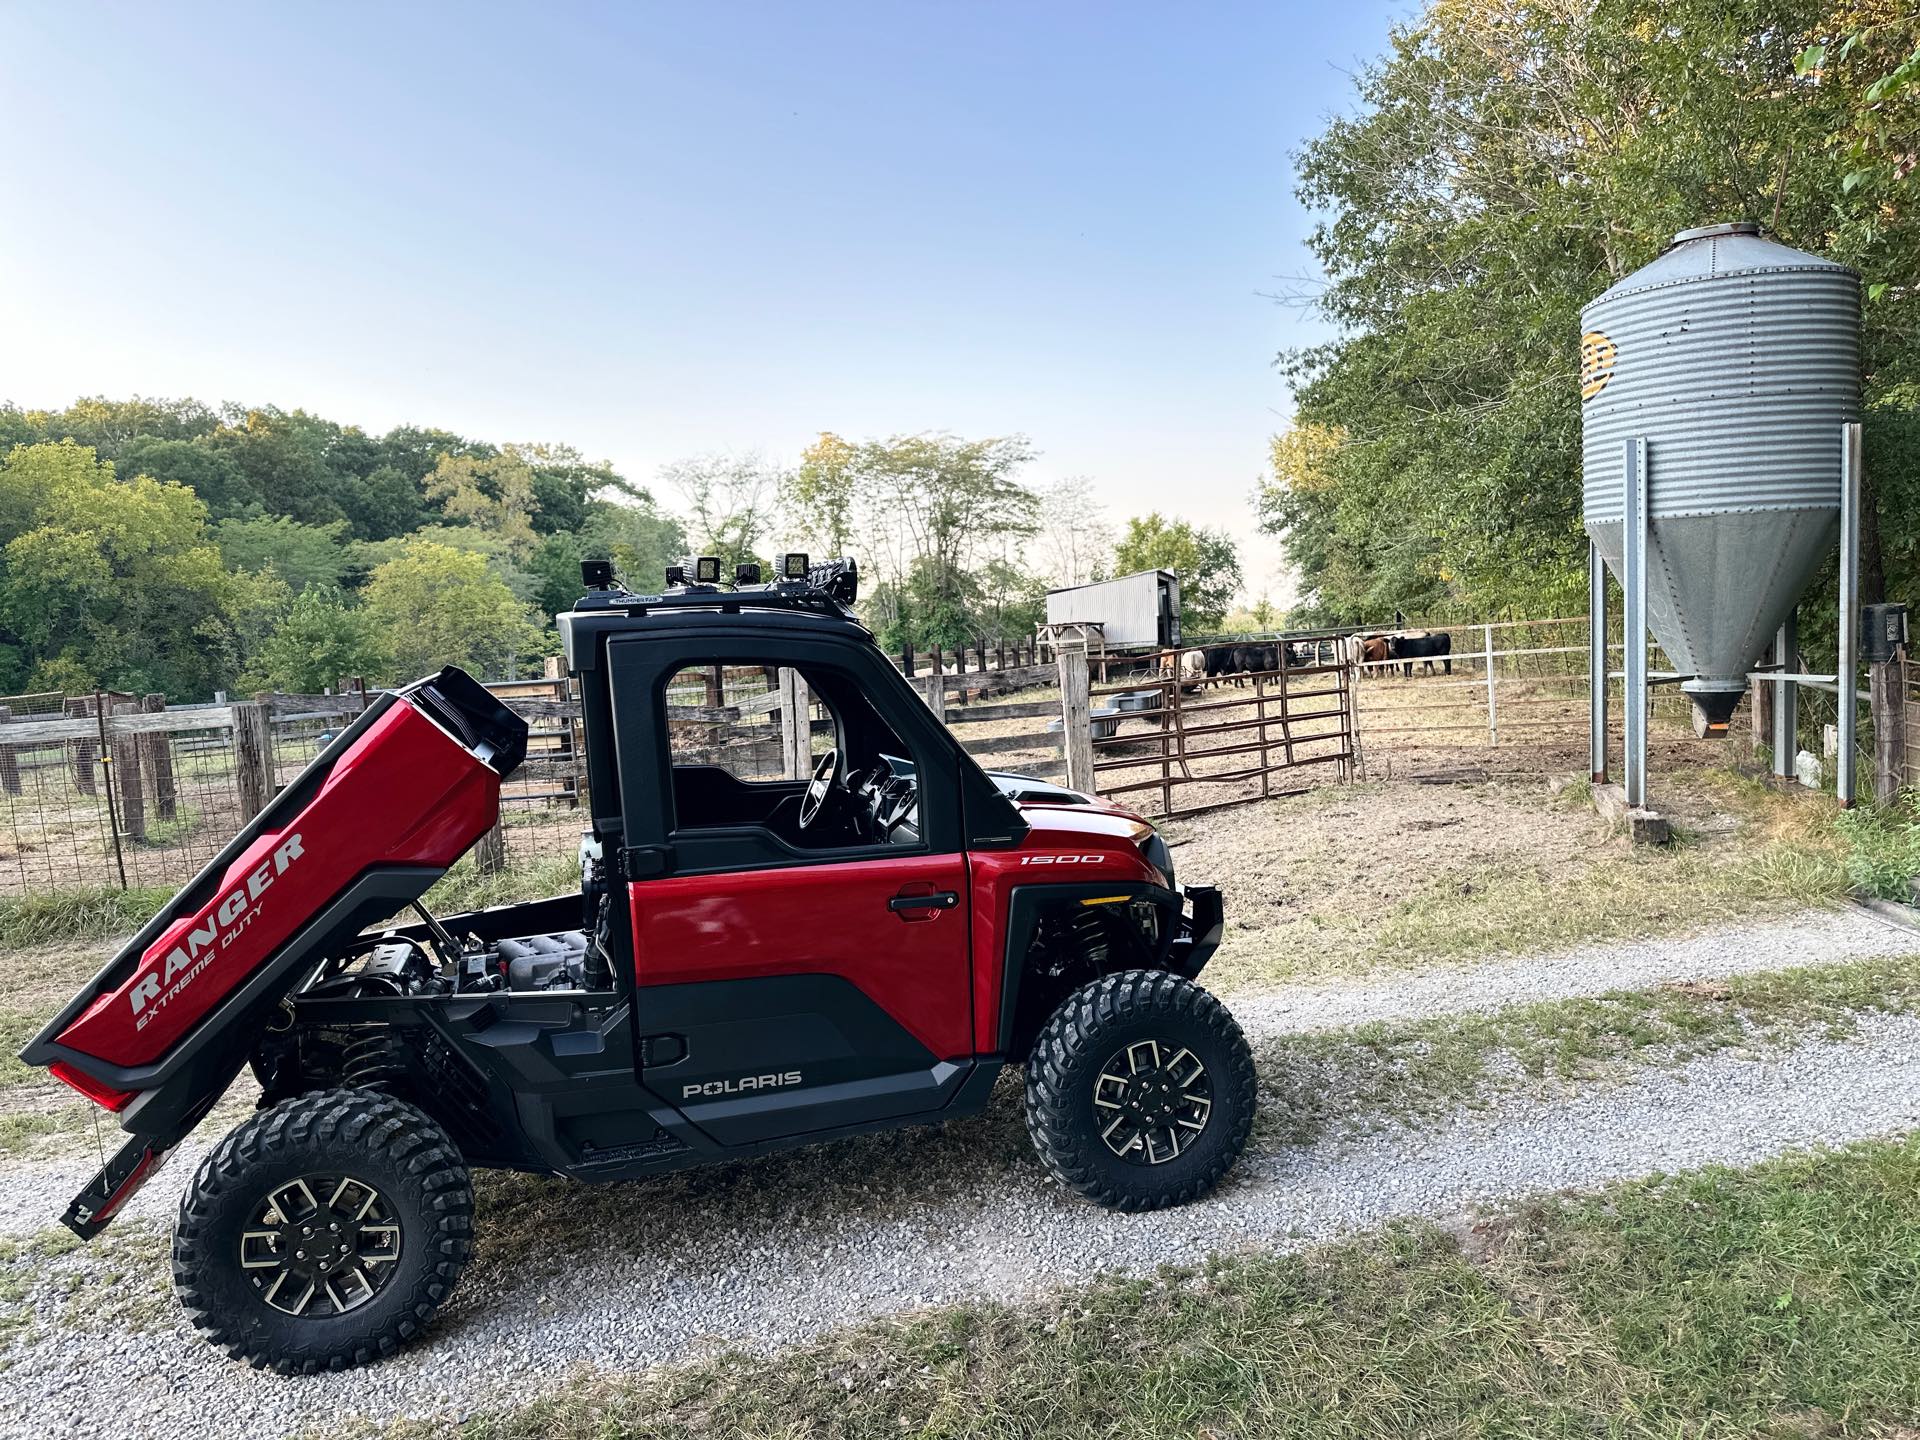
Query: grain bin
{"x": 1738, "y": 360}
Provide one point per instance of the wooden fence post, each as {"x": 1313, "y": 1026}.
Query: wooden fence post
{"x": 127, "y": 753}
{"x": 1762, "y": 717}
{"x": 81, "y": 754}
{"x": 1076, "y": 724}
{"x": 490, "y": 850}
{"x": 906, "y": 660}
{"x": 1886, "y": 684}
{"x": 9, "y": 757}
{"x": 159, "y": 761}
{"x": 796, "y": 724}
{"x": 252, "y": 758}
{"x": 933, "y": 690}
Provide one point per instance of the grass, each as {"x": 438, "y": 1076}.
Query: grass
{"x": 1778, "y": 1301}
{"x": 1790, "y": 855}
{"x": 22, "y": 1131}
{"x": 1365, "y": 1075}
{"x": 1883, "y": 847}
{"x": 464, "y": 888}
{"x": 112, "y": 1284}
{"x": 89, "y": 914}
{"x": 1504, "y": 871}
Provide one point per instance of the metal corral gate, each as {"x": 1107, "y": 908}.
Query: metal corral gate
{"x": 1197, "y": 741}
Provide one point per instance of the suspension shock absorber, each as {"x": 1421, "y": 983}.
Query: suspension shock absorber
{"x": 373, "y": 1059}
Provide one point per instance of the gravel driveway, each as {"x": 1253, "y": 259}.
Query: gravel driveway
{"x": 771, "y": 1251}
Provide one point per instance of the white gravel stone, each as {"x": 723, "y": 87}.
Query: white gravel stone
{"x": 769, "y": 1252}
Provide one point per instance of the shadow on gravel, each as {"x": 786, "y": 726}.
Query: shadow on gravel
{"x": 885, "y": 1177}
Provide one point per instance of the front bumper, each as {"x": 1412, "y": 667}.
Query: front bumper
{"x": 1202, "y": 919}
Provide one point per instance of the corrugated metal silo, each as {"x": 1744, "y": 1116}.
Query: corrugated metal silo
{"x": 1738, "y": 360}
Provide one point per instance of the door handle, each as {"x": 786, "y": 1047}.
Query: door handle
{"x": 941, "y": 900}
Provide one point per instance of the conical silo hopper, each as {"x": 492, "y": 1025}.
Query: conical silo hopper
{"x": 1738, "y": 360}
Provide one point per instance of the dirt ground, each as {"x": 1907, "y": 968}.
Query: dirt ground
{"x": 1388, "y": 874}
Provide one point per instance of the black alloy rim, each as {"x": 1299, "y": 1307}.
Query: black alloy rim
{"x": 1152, "y": 1100}
{"x": 320, "y": 1246}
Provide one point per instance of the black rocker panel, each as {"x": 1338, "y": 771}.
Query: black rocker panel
{"x": 758, "y": 1059}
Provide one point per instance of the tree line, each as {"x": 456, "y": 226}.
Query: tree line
{"x": 182, "y": 548}
{"x": 1510, "y": 159}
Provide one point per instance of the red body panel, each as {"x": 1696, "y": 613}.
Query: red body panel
{"x": 820, "y": 919}
{"x": 1067, "y": 843}
{"x": 403, "y": 794}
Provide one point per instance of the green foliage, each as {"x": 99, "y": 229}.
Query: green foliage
{"x": 301, "y": 555}
{"x": 1507, "y": 163}
{"x": 433, "y": 605}
{"x": 1205, "y": 561}
{"x": 131, "y": 587}
{"x": 492, "y": 496}
{"x": 321, "y": 641}
{"x": 119, "y": 579}
{"x": 939, "y": 522}
{"x": 1883, "y": 848}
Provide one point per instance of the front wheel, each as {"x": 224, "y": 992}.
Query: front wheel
{"x": 1140, "y": 1091}
{"x": 323, "y": 1232}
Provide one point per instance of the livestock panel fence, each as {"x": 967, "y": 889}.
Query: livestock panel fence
{"x": 1169, "y": 738}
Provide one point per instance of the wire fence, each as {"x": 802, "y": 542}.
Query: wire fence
{"x": 121, "y": 790}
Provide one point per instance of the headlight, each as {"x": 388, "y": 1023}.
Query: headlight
{"x": 1154, "y": 851}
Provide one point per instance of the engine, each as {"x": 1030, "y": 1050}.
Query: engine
{"x": 562, "y": 961}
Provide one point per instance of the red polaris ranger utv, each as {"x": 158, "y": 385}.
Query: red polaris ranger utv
{"x": 752, "y": 964}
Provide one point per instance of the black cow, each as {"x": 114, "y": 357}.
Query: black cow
{"x": 1222, "y": 661}
{"x": 1425, "y": 646}
{"x": 1256, "y": 659}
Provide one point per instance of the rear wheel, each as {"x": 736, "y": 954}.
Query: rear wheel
{"x": 323, "y": 1232}
{"x": 1140, "y": 1091}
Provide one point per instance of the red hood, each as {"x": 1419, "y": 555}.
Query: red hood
{"x": 1063, "y": 823}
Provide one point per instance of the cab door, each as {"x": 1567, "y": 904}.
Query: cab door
{"x": 785, "y": 985}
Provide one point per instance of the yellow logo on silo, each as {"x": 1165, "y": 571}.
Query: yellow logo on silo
{"x": 1597, "y": 354}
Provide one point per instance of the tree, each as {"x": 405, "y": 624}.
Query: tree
{"x": 203, "y": 469}
{"x": 1204, "y": 561}
{"x": 494, "y": 495}
{"x": 824, "y": 492}
{"x": 301, "y": 555}
{"x": 639, "y": 540}
{"x": 731, "y": 498}
{"x": 433, "y": 605}
{"x": 321, "y": 641}
{"x": 1510, "y": 159}
{"x": 1075, "y": 539}
{"x": 118, "y": 578}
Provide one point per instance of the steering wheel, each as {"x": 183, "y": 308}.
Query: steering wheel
{"x": 819, "y": 787}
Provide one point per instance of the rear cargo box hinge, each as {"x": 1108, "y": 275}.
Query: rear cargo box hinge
{"x": 643, "y": 862}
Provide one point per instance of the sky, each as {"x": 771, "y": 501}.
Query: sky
{"x": 655, "y": 231}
